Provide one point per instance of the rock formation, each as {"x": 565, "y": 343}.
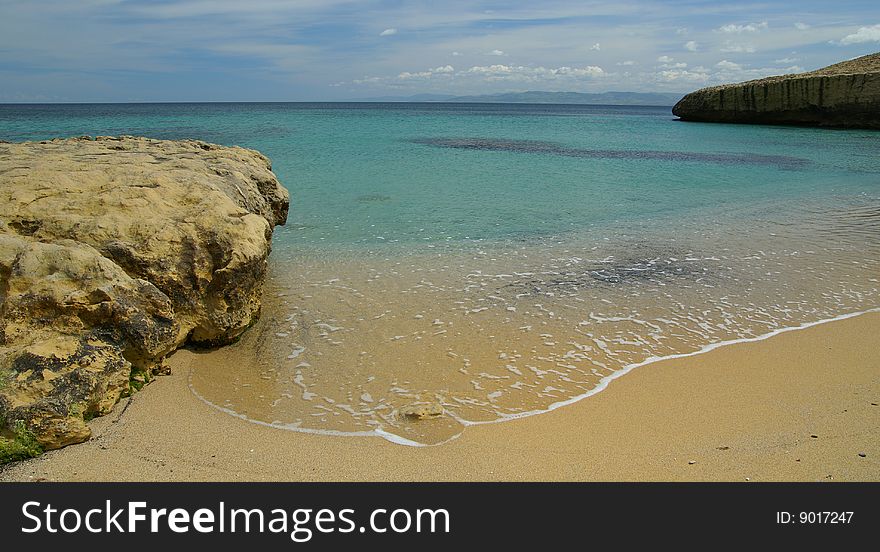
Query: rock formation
{"x": 846, "y": 94}
{"x": 113, "y": 253}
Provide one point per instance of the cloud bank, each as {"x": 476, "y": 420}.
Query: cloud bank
{"x": 277, "y": 50}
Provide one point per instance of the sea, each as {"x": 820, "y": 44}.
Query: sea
{"x": 446, "y": 265}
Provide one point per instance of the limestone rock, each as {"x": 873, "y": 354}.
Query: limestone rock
{"x": 114, "y": 252}
{"x": 845, "y": 94}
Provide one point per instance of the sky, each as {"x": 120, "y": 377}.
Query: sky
{"x": 317, "y": 50}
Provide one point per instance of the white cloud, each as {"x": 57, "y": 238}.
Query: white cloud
{"x": 456, "y": 54}
{"x": 728, "y": 71}
{"x": 588, "y": 71}
{"x": 367, "y": 80}
{"x": 626, "y": 63}
{"x": 786, "y": 60}
{"x": 522, "y": 73}
{"x": 665, "y": 59}
{"x": 495, "y": 53}
{"x": 739, "y": 29}
{"x": 691, "y": 46}
{"x": 681, "y": 31}
{"x": 864, "y": 34}
{"x": 728, "y": 65}
{"x": 388, "y": 32}
{"x": 490, "y": 69}
{"x": 490, "y": 73}
{"x": 737, "y": 48}
{"x": 420, "y": 75}
{"x": 688, "y": 76}
{"x": 801, "y": 26}
{"x": 406, "y": 75}
{"x": 596, "y": 47}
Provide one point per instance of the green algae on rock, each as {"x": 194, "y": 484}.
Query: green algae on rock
{"x": 113, "y": 253}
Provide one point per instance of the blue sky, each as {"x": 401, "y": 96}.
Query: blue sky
{"x": 277, "y": 50}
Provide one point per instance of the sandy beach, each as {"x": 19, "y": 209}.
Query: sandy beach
{"x": 799, "y": 406}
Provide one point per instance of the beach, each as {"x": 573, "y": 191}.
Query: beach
{"x": 477, "y": 273}
{"x": 483, "y": 261}
{"x": 477, "y": 293}
{"x": 799, "y": 406}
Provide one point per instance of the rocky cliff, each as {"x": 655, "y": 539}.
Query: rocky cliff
{"x": 846, "y": 94}
{"x": 113, "y": 253}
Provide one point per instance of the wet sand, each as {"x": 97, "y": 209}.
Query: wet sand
{"x": 800, "y": 406}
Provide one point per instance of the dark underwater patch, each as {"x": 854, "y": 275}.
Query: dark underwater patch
{"x": 550, "y": 148}
{"x": 373, "y": 198}
{"x": 644, "y": 265}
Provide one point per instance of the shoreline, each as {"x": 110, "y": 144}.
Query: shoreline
{"x": 603, "y": 384}
{"x": 736, "y": 421}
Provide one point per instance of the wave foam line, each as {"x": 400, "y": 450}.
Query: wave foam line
{"x": 603, "y": 383}
{"x": 397, "y": 439}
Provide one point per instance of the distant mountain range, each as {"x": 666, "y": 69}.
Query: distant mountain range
{"x": 538, "y": 97}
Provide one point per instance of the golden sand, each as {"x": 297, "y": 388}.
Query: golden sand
{"x": 801, "y": 406}
{"x": 350, "y": 344}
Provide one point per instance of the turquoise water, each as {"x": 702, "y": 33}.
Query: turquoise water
{"x": 369, "y": 173}
{"x": 485, "y": 262}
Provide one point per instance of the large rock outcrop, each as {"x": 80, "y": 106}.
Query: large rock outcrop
{"x": 113, "y": 253}
{"x": 844, "y": 95}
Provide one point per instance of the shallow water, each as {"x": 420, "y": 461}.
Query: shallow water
{"x": 478, "y": 263}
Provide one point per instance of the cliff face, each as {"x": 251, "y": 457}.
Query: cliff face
{"x": 113, "y": 253}
{"x": 846, "y": 94}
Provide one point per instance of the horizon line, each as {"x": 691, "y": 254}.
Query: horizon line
{"x": 353, "y": 101}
